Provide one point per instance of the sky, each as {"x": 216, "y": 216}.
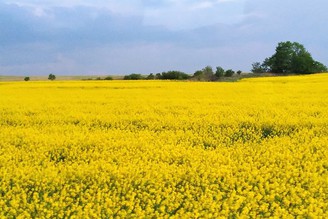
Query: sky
{"x": 116, "y": 37}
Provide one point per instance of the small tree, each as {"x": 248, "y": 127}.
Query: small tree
{"x": 26, "y": 78}
{"x": 208, "y": 71}
{"x": 257, "y": 67}
{"x": 208, "y": 74}
{"x": 229, "y": 73}
{"x": 198, "y": 74}
{"x": 151, "y": 76}
{"x": 239, "y": 72}
{"x": 158, "y": 76}
{"x": 52, "y": 77}
{"x": 219, "y": 72}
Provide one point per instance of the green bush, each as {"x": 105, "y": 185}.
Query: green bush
{"x": 174, "y": 75}
{"x": 52, "y": 77}
{"x": 108, "y": 78}
{"x": 133, "y": 77}
{"x": 229, "y": 73}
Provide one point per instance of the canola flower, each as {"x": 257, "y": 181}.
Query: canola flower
{"x": 257, "y": 148}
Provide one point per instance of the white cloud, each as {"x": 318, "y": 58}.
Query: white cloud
{"x": 173, "y": 14}
{"x": 39, "y": 12}
{"x": 201, "y": 5}
{"x": 119, "y": 7}
{"x": 180, "y": 15}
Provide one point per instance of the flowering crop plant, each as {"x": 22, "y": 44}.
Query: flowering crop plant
{"x": 256, "y": 148}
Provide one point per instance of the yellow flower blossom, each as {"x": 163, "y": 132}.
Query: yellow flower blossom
{"x": 158, "y": 149}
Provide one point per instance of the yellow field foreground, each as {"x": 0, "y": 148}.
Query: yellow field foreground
{"x": 131, "y": 149}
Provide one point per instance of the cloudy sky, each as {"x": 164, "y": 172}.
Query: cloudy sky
{"x": 82, "y": 37}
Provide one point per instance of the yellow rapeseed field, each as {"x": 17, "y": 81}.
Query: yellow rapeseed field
{"x": 160, "y": 149}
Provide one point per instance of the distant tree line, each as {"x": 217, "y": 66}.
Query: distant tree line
{"x": 289, "y": 58}
{"x": 169, "y": 75}
{"x": 206, "y": 74}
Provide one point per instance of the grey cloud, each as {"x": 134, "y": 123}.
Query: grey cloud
{"x": 86, "y": 39}
{"x": 66, "y": 29}
{"x": 76, "y": 25}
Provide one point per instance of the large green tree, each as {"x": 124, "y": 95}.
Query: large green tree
{"x": 291, "y": 57}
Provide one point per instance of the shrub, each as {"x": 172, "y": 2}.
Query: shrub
{"x": 108, "y": 78}
{"x": 151, "y": 76}
{"x": 175, "y": 75}
{"x": 52, "y": 77}
{"x": 229, "y": 73}
{"x": 133, "y": 77}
